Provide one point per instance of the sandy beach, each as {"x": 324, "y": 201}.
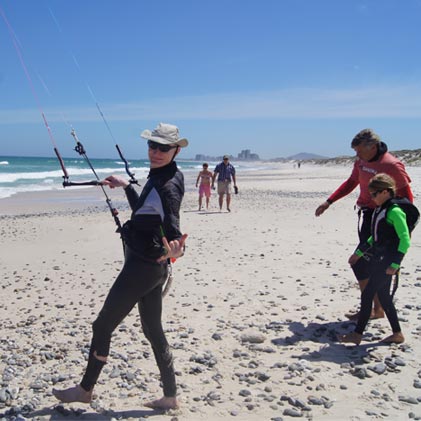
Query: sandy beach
{"x": 252, "y": 314}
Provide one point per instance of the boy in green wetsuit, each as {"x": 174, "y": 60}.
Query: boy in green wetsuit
{"x": 389, "y": 241}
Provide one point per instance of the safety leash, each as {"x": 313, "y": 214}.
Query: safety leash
{"x": 395, "y": 284}
{"x": 169, "y": 281}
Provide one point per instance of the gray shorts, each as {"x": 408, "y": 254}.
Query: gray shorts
{"x": 224, "y": 187}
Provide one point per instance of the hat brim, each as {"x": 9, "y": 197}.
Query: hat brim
{"x": 147, "y": 134}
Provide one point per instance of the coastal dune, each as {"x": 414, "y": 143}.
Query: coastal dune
{"x": 252, "y": 314}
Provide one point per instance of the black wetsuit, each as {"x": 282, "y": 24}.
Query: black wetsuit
{"x": 154, "y": 213}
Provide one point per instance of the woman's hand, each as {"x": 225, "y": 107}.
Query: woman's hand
{"x": 114, "y": 181}
{"x": 174, "y": 248}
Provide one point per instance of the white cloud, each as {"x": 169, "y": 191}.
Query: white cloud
{"x": 376, "y": 102}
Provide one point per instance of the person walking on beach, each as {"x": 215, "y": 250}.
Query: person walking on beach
{"x": 372, "y": 157}
{"x": 226, "y": 175}
{"x": 205, "y": 177}
{"x": 389, "y": 241}
{"x": 151, "y": 237}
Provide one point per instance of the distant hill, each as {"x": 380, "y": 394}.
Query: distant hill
{"x": 305, "y": 156}
{"x": 408, "y": 157}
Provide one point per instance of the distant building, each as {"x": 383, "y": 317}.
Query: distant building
{"x": 202, "y": 158}
{"x": 244, "y": 155}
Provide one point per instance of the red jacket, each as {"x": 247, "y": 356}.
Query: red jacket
{"x": 363, "y": 171}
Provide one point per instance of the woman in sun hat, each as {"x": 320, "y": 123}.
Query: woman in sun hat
{"x": 152, "y": 237}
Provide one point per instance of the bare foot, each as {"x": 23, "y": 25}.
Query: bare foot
{"x": 352, "y": 316}
{"x": 165, "y": 403}
{"x": 396, "y": 338}
{"x": 377, "y": 314}
{"x": 353, "y": 337}
{"x": 73, "y": 394}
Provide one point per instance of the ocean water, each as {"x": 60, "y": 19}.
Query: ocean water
{"x": 29, "y": 174}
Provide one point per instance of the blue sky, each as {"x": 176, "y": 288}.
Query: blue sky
{"x": 275, "y": 76}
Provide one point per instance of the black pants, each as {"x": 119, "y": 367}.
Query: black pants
{"x": 378, "y": 282}
{"x": 139, "y": 282}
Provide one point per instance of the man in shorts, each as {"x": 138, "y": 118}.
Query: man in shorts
{"x": 205, "y": 178}
{"x": 226, "y": 175}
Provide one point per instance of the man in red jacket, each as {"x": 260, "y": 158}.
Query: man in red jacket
{"x": 372, "y": 158}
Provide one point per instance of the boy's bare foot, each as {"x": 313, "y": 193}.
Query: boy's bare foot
{"x": 165, "y": 403}
{"x": 377, "y": 314}
{"x": 73, "y": 394}
{"x": 396, "y": 338}
{"x": 353, "y": 317}
{"x": 353, "y": 337}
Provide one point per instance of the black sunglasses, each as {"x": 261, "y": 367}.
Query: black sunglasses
{"x": 162, "y": 148}
{"x": 375, "y": 193}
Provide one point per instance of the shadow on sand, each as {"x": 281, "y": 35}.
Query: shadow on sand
{"x": 206, "y": 212}
{"x": 325, "y": 333}
{"x": 60, "y": 413}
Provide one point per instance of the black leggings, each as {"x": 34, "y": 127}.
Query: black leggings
{"x": 138, "y": 282}
{"x": 379, "y": 283}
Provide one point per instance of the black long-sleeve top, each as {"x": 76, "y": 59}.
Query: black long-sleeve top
{"x": 155, "y": 213}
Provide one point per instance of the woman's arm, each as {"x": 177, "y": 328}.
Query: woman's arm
{"x": 114, "y": 181}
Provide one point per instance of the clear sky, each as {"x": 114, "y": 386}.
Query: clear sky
{"x": 275, "y": 76}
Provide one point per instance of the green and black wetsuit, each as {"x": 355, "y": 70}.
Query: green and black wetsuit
{"x": 389, "y": 241}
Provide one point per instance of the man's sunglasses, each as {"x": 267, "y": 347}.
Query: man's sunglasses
{"x": 162, "y": 148}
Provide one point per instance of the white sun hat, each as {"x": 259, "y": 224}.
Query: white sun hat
{"x": 166, "y": 134}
